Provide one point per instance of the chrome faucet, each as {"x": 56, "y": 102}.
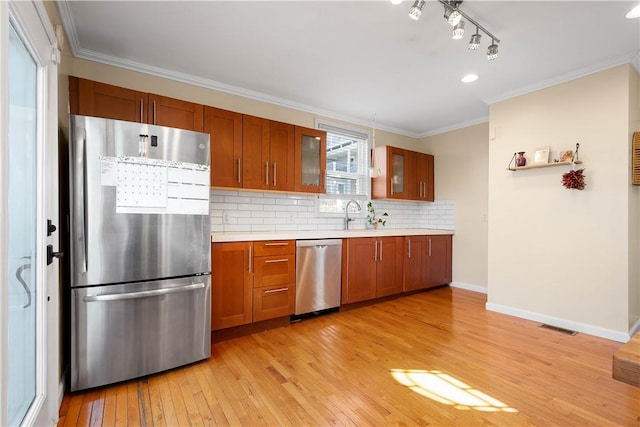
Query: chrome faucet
{"x": 347, "y": 220}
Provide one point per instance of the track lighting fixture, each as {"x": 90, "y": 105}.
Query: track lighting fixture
{"x": 474, "y": 43}
{"x": 458, "y": 31}
{"x": 416, "y": 9}
{"x": 451, "y": 13}
{"x": 492, "y": 51}
{"x": 454, "y": 16}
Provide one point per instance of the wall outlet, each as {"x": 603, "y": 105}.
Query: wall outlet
{"x": 485, "y": 217}
{"x": 225, "y": 217}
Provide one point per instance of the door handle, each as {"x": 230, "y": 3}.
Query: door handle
{"x": 51, "y": 254}
{"x": 142, "y": 294}
{"x": 23, "y": 283}
{"x": 51, "y": 228}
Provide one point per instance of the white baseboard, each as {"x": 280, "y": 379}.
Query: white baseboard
{"x": 560, "y": 323}
{"x": 475, "y": 288}
{"x": 635, "y": 328}
{"x": 61, "y": 388}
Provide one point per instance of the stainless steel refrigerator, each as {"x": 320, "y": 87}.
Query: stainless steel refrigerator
{"x": 140, "y": 249}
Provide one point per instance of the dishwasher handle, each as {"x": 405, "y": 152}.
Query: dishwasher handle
{"x": 318, "y": 243}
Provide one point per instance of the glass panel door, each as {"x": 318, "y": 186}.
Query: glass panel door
{"x": 21, "y": 370}
{"x": 397, "y": 167}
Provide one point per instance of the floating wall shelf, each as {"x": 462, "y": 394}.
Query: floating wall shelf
{"x": 543, "y": 165}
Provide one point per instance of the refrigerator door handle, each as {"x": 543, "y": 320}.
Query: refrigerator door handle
{"x": 142, "y": 294}
{"x": 84, "y": 209}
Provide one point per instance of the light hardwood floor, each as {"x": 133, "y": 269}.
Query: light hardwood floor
{"x": 433, "y": 358}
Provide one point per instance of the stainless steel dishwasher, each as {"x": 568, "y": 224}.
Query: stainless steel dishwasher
{"x": 318, "y": 275}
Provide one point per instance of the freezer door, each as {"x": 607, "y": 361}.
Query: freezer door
{"x": 120, "y": 332}
{"x": 110, "y": 244}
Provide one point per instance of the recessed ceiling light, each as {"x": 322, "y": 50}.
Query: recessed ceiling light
{"x": 469, "y": 78}
{"x": 633, "y": 13}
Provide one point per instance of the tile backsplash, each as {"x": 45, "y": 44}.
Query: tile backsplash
{"x": 264, "y": 211}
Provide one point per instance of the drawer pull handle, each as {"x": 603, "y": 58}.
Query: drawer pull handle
{"x": 270, "y": 261}
{"x": 277, "y": 244}
{"x": 273, "y": 291}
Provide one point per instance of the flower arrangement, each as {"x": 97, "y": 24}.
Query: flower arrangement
{"x": 372, "y": 219}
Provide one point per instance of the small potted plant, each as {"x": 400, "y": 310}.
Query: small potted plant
{"x": 372, "y": 219}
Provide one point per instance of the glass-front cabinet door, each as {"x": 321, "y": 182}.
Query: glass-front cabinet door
{"x": 311, "y": 160}
{"x": 401, "y": 167}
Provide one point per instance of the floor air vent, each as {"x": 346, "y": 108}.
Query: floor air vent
{"x": 555, "y": 328}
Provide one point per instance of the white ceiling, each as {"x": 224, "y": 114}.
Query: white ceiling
{"x": 352, "y": 60}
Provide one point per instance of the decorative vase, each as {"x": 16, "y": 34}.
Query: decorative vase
{"x": 521, "y": 160}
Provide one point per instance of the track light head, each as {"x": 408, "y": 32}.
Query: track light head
{"x": 416, "y": 9}
{"x": 451, "y": 13}
{"x": 492, "y": 51}
{"x": 474, "y": 43}
{"x": 458, "y": 31}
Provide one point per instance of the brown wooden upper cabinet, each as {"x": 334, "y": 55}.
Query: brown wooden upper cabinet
{"x": 250, "y": 152}
{"x": 311, "y": 160}
{"x": 268, "y": 154}
{"x": 90, "y": 98}
{"x": 225, "y": 137}
{"x": 405, "y": 175}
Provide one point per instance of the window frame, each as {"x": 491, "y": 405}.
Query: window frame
{"x": 358, "y": 133}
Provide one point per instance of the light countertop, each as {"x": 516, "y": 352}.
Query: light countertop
{"x": 244, "y": 236}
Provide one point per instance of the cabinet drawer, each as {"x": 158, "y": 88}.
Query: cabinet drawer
{"x": 273, "y": 301}
{"x": 274, "y": 247}
{"x": 274, "y": 270}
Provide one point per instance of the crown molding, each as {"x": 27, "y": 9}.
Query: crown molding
{"x": 563, "y": 78}
{"x": 477, "y": 121}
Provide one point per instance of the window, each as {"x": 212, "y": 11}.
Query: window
{"x": 347, "y": 167}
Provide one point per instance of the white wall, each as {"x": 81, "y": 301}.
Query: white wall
{"x": 461, "y": 174}
{"x": 556, "y": 254}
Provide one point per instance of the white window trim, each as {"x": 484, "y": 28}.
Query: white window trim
{"x": 337, "y": 127}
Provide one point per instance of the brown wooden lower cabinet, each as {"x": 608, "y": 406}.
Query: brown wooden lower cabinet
{"x": 270, "y": 302}
{"x": 251, "y": 281}
{"x": 231, "y": 285}
{"x": 415, "y": 263}
{"x": 439, "y": 268}
{"x": 427, "y": 261}
{"x": 374, "y": 268}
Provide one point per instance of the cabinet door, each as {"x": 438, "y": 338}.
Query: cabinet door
{"x": 401, "y": 167}
{"x": 282, "y": 155}
{"x": 415, "y": 263}
{"x": 424, "y": 177}
{"x": 255, "y": 153}
{"x": 361, "y": 269}
{"x": 311, "y": 160}
{"x": 231, "y": 285}
{"x": 389, "y": 266}
{"x": 439, "y": 260}
{"x": 164, "y": 111}
{"x": 90, "y": 98}
{"x": 225, "y": 136}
